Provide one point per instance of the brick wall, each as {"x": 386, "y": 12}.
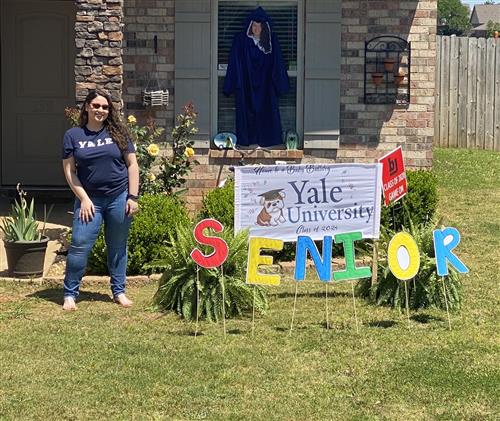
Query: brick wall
{"x": 367, "y": 131}
{"x": 145, "y": 19}
{"x": 98, "y": 38}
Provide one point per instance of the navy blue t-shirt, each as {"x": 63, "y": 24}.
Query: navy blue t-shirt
{"x": 100, "y": 166}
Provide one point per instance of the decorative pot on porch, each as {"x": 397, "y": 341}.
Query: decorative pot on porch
{"x": 399, "y": 77}
{"x": 25, "y": 259}
{"x": 25, "y": 243}
{"x": 389, "y": 63}
{"x": 377, "y": 78}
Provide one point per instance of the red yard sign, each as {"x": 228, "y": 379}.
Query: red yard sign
{"x": 393, "y": 176}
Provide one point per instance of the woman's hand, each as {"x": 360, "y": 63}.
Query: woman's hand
{"x": 87, "y": 210}
{"x": 132, "y": 207}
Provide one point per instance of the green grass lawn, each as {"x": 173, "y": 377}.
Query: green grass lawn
{"x": 103, "y": 362}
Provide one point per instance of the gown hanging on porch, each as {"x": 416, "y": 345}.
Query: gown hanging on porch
{"x": 257, "y": 76}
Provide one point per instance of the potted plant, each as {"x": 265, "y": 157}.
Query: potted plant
{"x": 25, "y": 243}
{"x": 399, "y": 77}
{"x": 389, "y": 63}
{"x": 377, "y": 78}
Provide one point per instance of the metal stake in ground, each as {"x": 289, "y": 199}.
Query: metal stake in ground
{"x": 253, "y": 312}
{"x": 375, "y": 263}
{"x": 446, "y": 303}
{"x": 197, "y": 300}
{"x": 354, "y": 306}
{"x": 223, "y": 299}
{"x": 326, "y": 305}
{"x": 407, "y": 304}
{"x": 294, "y": 307}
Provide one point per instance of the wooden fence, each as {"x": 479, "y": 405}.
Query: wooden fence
{"x": 467, "y": 93}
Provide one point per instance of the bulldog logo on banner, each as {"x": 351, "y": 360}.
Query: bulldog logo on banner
{"x": 272, "y": 208}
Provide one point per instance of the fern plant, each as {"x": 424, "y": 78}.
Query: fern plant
{"x": 178, "y": 287}
{"x": 425, "y": 290}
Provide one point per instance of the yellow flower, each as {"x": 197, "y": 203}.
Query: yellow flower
{"x": 131, "y": 119}
{"x": 153, "y": 149}
{"x": 189, "y": 152}
{"x": 151, "y": 177}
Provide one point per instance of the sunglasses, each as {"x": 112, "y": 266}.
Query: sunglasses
{"x": 95, "y": 106}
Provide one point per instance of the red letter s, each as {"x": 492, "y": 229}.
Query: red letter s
{"x": 221, "y": 250}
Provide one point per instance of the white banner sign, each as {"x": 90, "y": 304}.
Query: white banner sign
{"x": 285, "y": 201}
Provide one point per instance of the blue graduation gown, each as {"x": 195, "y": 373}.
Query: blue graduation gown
{"x": 257, "y": 79}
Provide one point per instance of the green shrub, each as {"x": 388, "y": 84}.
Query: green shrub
{"x": 149, "y": 235}
{"x": 419, "y": 204}
{"x": 97, "y": 263}
{"x": 287, "y": 254}
{"x": 219, "y": 204}
{"x": 425, "y": 290}
{"x": 178, "y": 286}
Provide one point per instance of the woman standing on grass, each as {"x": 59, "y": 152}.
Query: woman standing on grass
{"x": 101, "y": 168}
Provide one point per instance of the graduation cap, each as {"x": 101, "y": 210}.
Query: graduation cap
{"x": 272, "y": 194}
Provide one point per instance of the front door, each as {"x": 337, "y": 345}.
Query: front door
{"x": 37, "y": 83}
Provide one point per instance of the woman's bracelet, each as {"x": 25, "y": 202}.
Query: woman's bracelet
{"x": 133, "y": 197}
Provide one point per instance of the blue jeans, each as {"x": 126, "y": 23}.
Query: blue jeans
{"x": 111, "y": 211}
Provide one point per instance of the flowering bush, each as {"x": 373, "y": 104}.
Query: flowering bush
{"x": 174, "y": 169}
{"x": 171, "y": 169}
{"x": 147, "y": 151}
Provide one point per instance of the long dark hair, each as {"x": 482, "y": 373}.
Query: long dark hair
{"x": 265, "y": 37}
{"x": 113, "y": 122}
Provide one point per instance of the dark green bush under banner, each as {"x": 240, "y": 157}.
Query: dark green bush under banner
{"x": 419, "y": 204}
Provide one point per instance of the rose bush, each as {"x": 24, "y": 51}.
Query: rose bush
{"x": 145, "y": 139}
{"x": 175, "y": 168}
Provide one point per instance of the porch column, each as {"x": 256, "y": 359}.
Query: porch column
{"x": 98, "y": 39}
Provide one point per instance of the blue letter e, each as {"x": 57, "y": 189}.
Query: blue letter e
{"x": 443, "y": 246}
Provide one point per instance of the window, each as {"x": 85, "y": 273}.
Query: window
{"x": 285, "y": 19}
{"x": 309, "y": 33}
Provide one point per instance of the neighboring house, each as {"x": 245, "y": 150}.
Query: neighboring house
{"x": 481, "y": 15}
{"x": 54, "y": 51}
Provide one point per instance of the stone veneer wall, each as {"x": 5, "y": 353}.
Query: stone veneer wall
{"x": 367, "y": 131}
{"x": 98, "y": 38}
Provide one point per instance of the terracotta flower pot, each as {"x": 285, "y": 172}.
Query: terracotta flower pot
{"x": 377, "y": 78}
{"x": 389, "y": 63}
{"x": 398, "y": 80}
